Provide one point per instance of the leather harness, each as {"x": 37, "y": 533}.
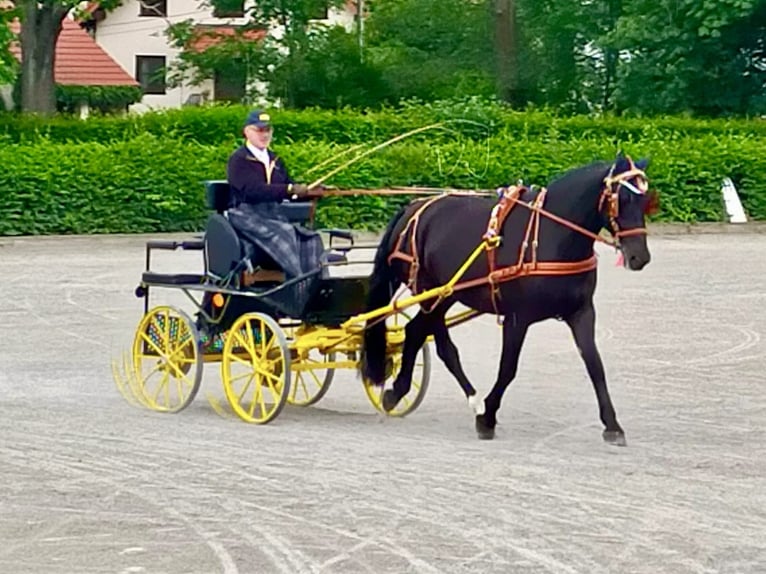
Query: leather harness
{"x": 509, "y": 199}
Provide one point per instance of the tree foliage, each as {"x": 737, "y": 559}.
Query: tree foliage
{"x": 690, "y": 56}
{"x": 8, "y": 63}
{"x": 431, "y": 49}
{"x": 40, "y": 29}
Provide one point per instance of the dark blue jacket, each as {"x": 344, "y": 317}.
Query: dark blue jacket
{"x": 250, "y": 182}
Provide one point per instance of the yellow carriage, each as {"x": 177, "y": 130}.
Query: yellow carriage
{"x": 276, "y": 341}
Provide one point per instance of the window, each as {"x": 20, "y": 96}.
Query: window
{"x": 150, "y": 73}
{"x": 156, "y": 8}
{"x": 229, "y": 9}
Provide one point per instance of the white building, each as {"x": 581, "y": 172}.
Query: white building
{"x": 134, "y": 35}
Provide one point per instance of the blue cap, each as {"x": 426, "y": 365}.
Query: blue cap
{"x": 258, "y": 118}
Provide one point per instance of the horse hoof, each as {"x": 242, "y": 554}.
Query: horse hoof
{"x": 389, "y": 400}
{"x": 484, "y": 431}
{"x": 617, "y": 438}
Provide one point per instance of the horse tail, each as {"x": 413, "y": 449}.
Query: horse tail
{"x": 383, "y": 284}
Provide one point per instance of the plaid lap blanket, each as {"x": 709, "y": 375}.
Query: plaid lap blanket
{"x": 296, "y": 249}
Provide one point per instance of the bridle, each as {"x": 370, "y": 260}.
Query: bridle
{"x": 611, "y": 197}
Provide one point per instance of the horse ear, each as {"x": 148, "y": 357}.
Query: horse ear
{"x": 621, "y": 164}
{"x": 643, "y": 163}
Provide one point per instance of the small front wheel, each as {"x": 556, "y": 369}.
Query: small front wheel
{"x": 255, "y": 368}
{"x": 166, "y": 368}
{"x": 421, "y": 372}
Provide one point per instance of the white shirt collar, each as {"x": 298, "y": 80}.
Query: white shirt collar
{"x": 260, "y": 154}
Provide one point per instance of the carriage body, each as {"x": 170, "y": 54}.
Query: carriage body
{"x": 277, "y": 341}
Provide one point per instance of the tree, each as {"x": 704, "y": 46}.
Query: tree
{"x": 703, "y": 58}
{"x": 432, "y": 49}
{"x": 40, "y": 29}
{"x": 284, "y": 25}
{"x": 8, "y": 63}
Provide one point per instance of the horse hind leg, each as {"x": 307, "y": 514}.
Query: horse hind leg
{"x": 514, "y": 332}
{"x": 582, "y": 323}
{"x": 415, "y": 334}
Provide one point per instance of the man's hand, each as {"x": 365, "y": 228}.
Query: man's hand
{"x": 300, "y": 189}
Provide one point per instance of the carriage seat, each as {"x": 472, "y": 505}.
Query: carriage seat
{"x": 224, "y": 249}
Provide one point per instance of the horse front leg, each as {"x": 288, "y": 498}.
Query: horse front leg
{"x": 514, "y": 332}
{"x": 583, "y": 324}
{"x": 449, "y": 355}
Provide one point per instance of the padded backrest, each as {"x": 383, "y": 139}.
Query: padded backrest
{"x": 217, "y": 195}
{"x": 223, "y": 247}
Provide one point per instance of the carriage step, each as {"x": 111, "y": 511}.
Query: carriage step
{"x": 152, "y": 278}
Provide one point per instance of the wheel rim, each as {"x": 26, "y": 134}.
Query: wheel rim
{"x": 421, "y": 376}
{"x": 167, "y": 366}
{"x": 255, "y": 368}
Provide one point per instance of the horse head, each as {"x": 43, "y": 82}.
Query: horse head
{"x": 625, "y": 202}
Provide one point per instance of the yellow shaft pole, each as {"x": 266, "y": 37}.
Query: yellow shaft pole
{"x": 441, "y": 291}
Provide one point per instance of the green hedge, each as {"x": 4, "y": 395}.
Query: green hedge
{"x": 473, "y": 118}
{"x": 146, "y": 176}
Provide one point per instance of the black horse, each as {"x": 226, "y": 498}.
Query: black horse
{"x": 556, "y": 229}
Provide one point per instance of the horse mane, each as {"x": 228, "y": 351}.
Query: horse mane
{"x": 581, "y": 177}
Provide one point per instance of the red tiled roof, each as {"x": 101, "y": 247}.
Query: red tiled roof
{"x": 208, "y": 35}
{"x": 80, "y": 61}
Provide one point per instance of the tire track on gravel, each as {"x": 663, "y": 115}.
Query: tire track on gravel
{"x": 224, "y": 558}
{"x": 286, "y": 558}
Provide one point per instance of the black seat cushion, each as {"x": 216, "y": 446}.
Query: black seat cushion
{"x": 225, "y": 249}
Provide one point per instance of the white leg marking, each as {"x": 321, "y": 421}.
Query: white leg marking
{"x": 476, "y": 404}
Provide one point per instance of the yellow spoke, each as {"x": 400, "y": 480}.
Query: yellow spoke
{"x": 273, "y": 389}
{"x": 166, "y": 330}
{"x": 303, "y": 384}
{"x": 316, "y": 379}
{"x": 265, "y": 373}
{"x": 250, "y": 338}
{"x": 241, "y": 361}
{"x": 180, "y": 389}
{"x": 167, "y": 394}
{"x": 181, "y": 376}
{"x": 154, "y": 369}
{"x": 163, "y": 383}
{"x": 242, "y": 342}
{"x": 244, "y": 389}
{"x": 262, "y": 402}
{"x": 146, "y": 338}
{"x": 242, "y": 376}
{"x": 256, "y": 396}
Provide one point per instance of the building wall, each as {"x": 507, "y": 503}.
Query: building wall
{"x": 124, "y": 34}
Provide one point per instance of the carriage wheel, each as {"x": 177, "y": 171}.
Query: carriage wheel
{"x": 167, "y": 364}
{"x": 310, "y": 380}
{"x": 255, "y": 368}
{"x": 421, "y": 374}
{"x": 311, "y": 385}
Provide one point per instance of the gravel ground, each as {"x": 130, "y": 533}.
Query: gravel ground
{"x": 90, "y": 484}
